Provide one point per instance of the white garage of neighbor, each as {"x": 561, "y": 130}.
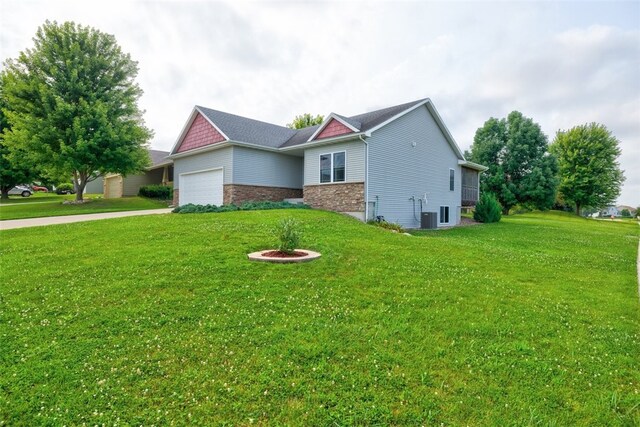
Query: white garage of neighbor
{"x": 201, "y": 187}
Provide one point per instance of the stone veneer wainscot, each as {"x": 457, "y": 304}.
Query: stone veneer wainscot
{"x": 238, "y": 193}
{"x": 341, "y": 197}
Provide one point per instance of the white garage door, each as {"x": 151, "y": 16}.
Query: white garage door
{"x": 201, "y": 188}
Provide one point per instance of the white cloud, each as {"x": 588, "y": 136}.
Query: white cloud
{"x": 562, "y": 64}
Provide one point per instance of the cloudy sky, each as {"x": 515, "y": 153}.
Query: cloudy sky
{"x": 560, "y": 63}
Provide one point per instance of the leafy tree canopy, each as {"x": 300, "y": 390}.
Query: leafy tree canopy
{"x": 590, "y": 174}
{"x": 72, "y": 104}
{"x": 305, "y": 120}
{"x": 13, "y": 169}
{"x": 521, "y": 171}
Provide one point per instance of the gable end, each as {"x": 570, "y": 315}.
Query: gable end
{"x": 200, "y": 134}
{"x": 333, "y": 128}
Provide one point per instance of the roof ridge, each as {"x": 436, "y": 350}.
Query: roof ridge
{"x": 245, "y": 118}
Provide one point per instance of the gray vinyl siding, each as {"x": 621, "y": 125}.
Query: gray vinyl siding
{"x": 265, "y": 168}
{"x": 398, "y": 171}
{"x": 208, "y": 160}
{"x": 95, "y": 187}
{"x": 354, "y": 165}
{"x": 131, "y": 184}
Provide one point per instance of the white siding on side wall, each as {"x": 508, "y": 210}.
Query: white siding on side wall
{"x": 204, "y": 161}
{"x": 398, "y": 170}
{"x": 266, "y": 168}
{"x": 354, "y": 161}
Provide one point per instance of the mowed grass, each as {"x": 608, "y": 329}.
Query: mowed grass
{"x": 162, "y": 320}
{"x": 52, "y": 205}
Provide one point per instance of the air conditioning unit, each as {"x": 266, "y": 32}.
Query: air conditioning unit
{"x": 429, "y": 220}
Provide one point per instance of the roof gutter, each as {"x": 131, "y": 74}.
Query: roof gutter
{"x": 471, "y": 165}
{"x": 317, "y": 143}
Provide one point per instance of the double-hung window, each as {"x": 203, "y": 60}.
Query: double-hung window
{"x": 332, "y": 167}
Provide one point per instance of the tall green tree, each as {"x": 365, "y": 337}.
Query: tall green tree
{"x": 13, "y": 169}
{"x": 521, "y": 171}
{"x": 72, "y": 105}
{"x": 590, "y": 174}
{"x": 305, "y": 120}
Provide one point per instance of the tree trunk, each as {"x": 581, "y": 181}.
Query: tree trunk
{"x": 80, "y": 182}
{"x": 578, "y": 209}
{"x": 5, "y": 193}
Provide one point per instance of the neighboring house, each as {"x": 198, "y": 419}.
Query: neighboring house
{"x": 160, "y": 172}
{"x": 95, "y": 187}
{"x": 632, "y": 210}
{"x": 394, "y": 163}
{"x": 609, "y": 211}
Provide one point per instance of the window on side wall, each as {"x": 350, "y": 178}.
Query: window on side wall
{"x": 452, "y": 180}
{"x": 333, "y": 167}
{"x": 444, "y": 214}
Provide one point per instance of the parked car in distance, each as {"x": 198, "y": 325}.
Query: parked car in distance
{"x": 40, "y": 188}
{"x": 65, "y": 188}
{"x": 20, "y": 190}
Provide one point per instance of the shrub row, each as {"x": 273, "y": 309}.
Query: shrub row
{"x": 162, "y": 192}
{"x": 247, "y": 206}
{"x": 387, "y": 225}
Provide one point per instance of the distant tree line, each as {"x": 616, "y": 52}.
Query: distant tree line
{"x": 578, "y": 169}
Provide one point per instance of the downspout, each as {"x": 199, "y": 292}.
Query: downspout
{"x": 366, "y": 176}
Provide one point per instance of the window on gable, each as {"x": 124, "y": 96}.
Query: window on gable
{"x": 444, "y": 215}
{"x": 452, "y": 180}
{"x": 333, "y": 167}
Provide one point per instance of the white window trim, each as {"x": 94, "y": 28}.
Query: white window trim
{"x": 331, "y": 156}
{"x": 454, "y": 179}
{"x": 440, "y": 222}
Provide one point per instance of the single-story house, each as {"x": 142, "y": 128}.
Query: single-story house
{"x": 394, "y": 163}
{"x": 160, "y": 172}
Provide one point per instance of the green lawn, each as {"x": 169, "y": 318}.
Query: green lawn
{"x": 43, "y": 204}
{"x": 162, "y": 320}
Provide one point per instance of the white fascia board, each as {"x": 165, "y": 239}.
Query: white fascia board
{"x": 444, "y": 129}
{"x": 321, "y": 142}
{"x": 254, "y": 146}
{"x": 324, "y": 124}
{"x": 184, "y": 131}
{"x": 212, "y": 124}
{"x": 437, "y": 118}
{"x": 471, "y": 165}
{"x": 397, "y": 116}
{"x": 187, "y": 126}
{"x": 199, "y": 150}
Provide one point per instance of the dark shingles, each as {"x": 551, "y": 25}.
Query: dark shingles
{"x": 158, "y": 157}
{"x": 364, "y": 122}
{"x": 242, "y": 129}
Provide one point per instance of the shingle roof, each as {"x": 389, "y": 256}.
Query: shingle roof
{"x": 364, "y": 122}
{"x": 158, "y": 157}
{"x": 243, "y": 129}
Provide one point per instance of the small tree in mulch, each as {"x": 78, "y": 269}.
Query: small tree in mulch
{"x": 289, "y": 235}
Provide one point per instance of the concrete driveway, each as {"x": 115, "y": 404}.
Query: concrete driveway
{"x": 67, "y": 219}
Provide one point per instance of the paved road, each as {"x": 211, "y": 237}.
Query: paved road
{"x": 37, "y": 222}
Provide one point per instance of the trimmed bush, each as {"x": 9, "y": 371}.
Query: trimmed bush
{"x": 65, "y": 188}
{"x": 247, "y": 206}
{"x": 488, "y": 209}
{"x": 289, "y": 234}
{"x": 162, "y": 192}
